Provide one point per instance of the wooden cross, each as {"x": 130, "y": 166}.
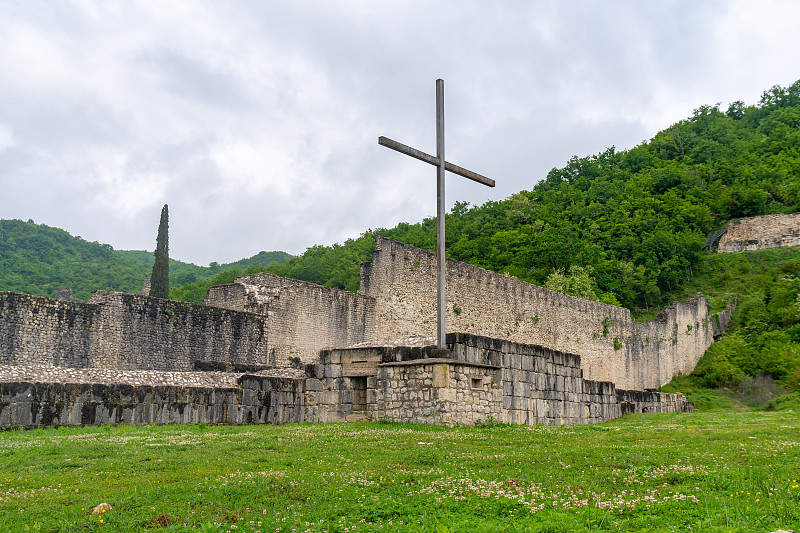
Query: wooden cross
{"x": 441, "y": 165}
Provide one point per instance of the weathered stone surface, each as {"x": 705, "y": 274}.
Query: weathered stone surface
{"x": 459, "y": 391}
{"x": 117, "y": 331}
{"x": 761, "y": 233}
{"x": 63, "y": 293}
{"x": 611, "y": 345}
{"x": 128, "y": 358}
{"x": 156, "y": 397}
{"x": 300, "y": 317}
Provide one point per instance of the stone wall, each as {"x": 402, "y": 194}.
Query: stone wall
{"x": 397, "y": 300}
{"x": 613, "y": 347}
{"x": 540, "y": 385}
{"x": 265, "y": 320}
{"x": 636, "y": 401}
{"x": 257, "y": 400}
{"x": 439, "y": 391}
{"x": 760, "y": 233}
{"x": 484, "y": 379}
{"x": 64, "y": 293}
{"x": 302, "y": 317}
{"x": 125, "y": 331}
{"x": 342, "y": 386}
{"x": 37, "y": 330}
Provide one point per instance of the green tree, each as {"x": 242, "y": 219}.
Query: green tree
{"x": 578, "y": 282}
{"x": 159, "y": 280}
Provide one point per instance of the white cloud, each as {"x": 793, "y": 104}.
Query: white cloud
{"x": 257, "y": 122}
{"x": 6, "y": 137}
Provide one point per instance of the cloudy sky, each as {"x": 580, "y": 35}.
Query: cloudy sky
{"x": 257, "y": 122}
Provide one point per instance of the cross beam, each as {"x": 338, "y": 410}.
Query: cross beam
{"x": 441, "y": 165}
{"x": 422, "y": 156}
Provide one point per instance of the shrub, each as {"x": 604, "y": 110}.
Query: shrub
{"x": 793, "y": 381}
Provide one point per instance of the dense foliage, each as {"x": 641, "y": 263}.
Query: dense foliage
{"x": 35, "y": 259}
{"x": 181, "y": 273}
{"x": 159, "y": 278}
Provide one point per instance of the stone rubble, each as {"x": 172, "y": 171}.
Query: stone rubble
{"x": 413, "y": 342}
{"x": 55, "y": 374}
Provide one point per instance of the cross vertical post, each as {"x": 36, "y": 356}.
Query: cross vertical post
{"x": 441, "y": 166}
{"x": 441, "y": 261}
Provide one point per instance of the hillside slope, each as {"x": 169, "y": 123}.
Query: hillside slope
{"x": 764, "y": 336}
{"x": 35, "y": 259}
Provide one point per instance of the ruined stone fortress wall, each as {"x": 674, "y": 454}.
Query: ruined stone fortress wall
{"x": 271, "y": 321}
{"x": 301, "y": 317}
{"x": 401, "y": 279}
{"x": 126, "y": 332}
{"x": 525, "y": 355}
{"x": 761, "y": 233}
{"x": 484, "y": 380}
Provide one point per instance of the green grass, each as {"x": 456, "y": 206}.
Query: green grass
{"x": 785, "y": 402}
{"x": 707, "y": 471}
{"x": 704, "y": 399}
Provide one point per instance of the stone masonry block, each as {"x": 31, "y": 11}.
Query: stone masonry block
{"x": 249, "y": 397}
{"x": 333, "y": 371}
{"x": 313, "y": 384}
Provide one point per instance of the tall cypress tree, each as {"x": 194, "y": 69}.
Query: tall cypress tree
{"x": 159, "y": 279}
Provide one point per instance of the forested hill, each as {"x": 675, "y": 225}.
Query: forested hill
{"x": 639, "y": 218}
{"x": 35, "y": 259}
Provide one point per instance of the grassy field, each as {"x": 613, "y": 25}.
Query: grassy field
{"x": 720, "y": 471}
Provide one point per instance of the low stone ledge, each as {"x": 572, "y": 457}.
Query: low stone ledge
{"x": 252, "y": 399}
{"x": 439, "y": 360}
{"x": 55, "y": 374}
{"x": 209, "y": 379}
{"x": 220, "y": 366}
